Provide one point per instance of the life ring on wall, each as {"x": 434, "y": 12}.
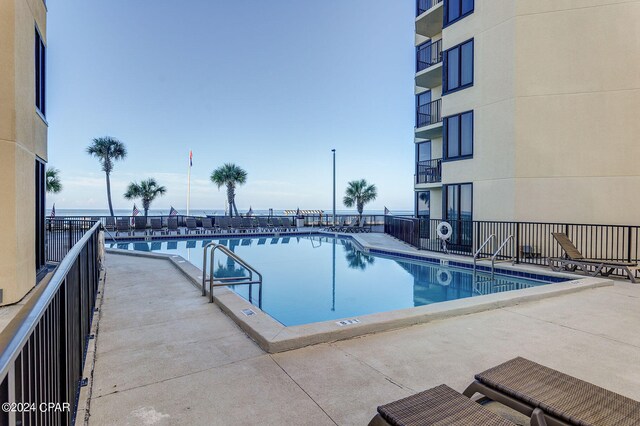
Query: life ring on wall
{"x": 444, "y": 277}
{"x": 444, "y": 230}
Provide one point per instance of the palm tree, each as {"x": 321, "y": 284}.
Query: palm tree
{"x": 107, "y": 150}
{"x": 231, "y": 176}
{"x": 359, "y": 193}
{"x": 53, "y": 184}
{"x": 147, "y": 190}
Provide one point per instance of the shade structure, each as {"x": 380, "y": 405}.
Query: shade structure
{"x": 307, "y": 212}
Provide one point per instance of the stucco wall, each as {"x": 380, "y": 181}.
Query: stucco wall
{"x": 23, "y": 136}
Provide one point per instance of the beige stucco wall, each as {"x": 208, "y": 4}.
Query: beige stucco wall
{"x": 23, "y": 136}
{"x": 556, "y": 101}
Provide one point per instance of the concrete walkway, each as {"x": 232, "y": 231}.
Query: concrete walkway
{"x": 167, "y": 357}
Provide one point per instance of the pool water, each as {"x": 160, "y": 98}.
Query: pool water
{"x": 309, "y": 279}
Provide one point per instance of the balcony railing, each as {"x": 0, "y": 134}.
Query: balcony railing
{"x": 429, "y": 171}
{"x": 424, "y": 5}
{"x": 429, "y": 114}
{"x": 428, "y": 55}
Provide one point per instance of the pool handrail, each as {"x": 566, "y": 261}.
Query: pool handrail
{"x": 477, "y": 253}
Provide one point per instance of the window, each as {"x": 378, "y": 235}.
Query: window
{"x": 423, "y": 204}
{"x": 423, "y": 151}
{"x": 39, "y": 213}
{"x": 40, "y": 63}
{"x": 458, "y": 136}
{"x": 458, "y": 211}
{"x": 458, "y": 67}
{"x": 454, "y": 10}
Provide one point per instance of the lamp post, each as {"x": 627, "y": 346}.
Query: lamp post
{"x": 334, "y": 186}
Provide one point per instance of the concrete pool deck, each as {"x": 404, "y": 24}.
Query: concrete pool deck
{"x": 165, "y": 356}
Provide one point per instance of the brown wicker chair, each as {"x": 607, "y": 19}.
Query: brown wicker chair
{"x": 553, "y": 398}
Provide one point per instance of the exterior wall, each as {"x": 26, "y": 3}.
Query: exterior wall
{"x": 577, "y": 111}
{"x": 556, "y": 98}
{"x": 23, "y": 136}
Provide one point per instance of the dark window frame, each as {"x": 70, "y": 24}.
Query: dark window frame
{"x": 418, "y": 105}
{"x": 445, "y": 137}
{"x": 445, "y": 13}
{"x": 39, "y": 216}
{"x": 40, "y": 56}
{"x": 445, "y": 68}
{"x": 417, "y": 194}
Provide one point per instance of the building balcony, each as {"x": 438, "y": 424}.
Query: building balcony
{"x": 429, "y": 64}
{"x": 429, "y": 120}
{"x": 429, "y": 171}
{"x": 429, "y": 17}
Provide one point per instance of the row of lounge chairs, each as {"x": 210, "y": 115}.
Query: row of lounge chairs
{"x": 354, "y": 226}
{"x": 207, "y": 226}
{"x": 545, "y": 395}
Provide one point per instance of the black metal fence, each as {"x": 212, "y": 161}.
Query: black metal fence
{"x": 531, "y": 242}
{"x": 429, "y": 114}
{"x": 428, "y": 54}
{"x": 424, "y": 5}
{"x": 429, "y": 171}
{"x": 62, "y": 234}
{"x": 42, "y": 351}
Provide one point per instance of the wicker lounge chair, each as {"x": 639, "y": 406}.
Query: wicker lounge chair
{"x": 263, "y": 224}
{"x": 122, "y": 225}
{"x": 207, "y": 225}
{"x": 351, "y": 227}
{"x": 110, "y": 223}
{"x": 172, "y": 225}
{"x": 286, "y": 224}
{"x": 575, "y": 260}
{"x": 191, "y": 225}
{"x": 276, "y": 224}
{"x": 552, "y": 398}
{"x": 140, "y": 224}
{"x": 440, "y": 405}
{"x": 156, "y": 226}
{"x": 224, "y": 224}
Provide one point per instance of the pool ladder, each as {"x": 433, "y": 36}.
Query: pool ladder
{"x": 225, "y": 281}
{"x": 495, "y": 254}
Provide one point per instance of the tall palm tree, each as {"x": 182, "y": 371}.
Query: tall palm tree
{"x": 107, "y": 150}
{"x": 147, "y": 190}
{"x": 359, "y": 193}
{"x": 52, "y": 177}
{"x": 230, "y": 175}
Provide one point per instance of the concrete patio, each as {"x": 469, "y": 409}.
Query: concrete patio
{"x": 165, "y": 356}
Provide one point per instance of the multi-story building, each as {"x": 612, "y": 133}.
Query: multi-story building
{"x": 23, "y": 145}
{"x": 528, "y": 110}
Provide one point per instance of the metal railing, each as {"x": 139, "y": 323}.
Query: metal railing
{"x": 428, "y": 55}
{"x": 429, "y": 114}
{"x": 429, "y": 171}
{"x": 532, "y": 240}
{"x": 42, "y": 351}
{"x": 62, "y": 234}
{"x": 214, "y": 281}
{"x": 424, "y": 5}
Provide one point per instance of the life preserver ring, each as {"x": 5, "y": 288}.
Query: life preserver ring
{"x": 444, "y": 226}
{"x": 444, "y": 277}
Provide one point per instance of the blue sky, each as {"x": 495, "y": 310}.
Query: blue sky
{"x": 272, "y": 86}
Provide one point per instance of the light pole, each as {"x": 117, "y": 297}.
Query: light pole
{"x": 334, "y": 186}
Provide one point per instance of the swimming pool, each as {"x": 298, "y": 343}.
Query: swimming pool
{"x": 310, "y": 279}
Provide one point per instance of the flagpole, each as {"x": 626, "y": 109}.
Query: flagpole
{"x": 189, "y": 185}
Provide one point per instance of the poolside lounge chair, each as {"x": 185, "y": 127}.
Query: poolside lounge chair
{"x": 350, "y": 227}
{"x": 236, "y": 224}
{"x": 207, "y": 225}
{"x": 110, "y": 223}
{"x": 550, "y": 397}
{"x": 191, "y": 224}
{"x": 286, "y": 224}
{"x": 276, "y": 225}
{"x": 156, "y": 226}
{"x": 440, "y": 405}
{"x": 122, "y": 225}
{"x": 247, "y": 224}
{"x": 224, "y": 224}
{"x": 263, "y": 224}
{"x": 363, "y": 227}
{"x": 172, "y": 225}
{"x": 140, "y": 224}
{"x": 575, "y": 260}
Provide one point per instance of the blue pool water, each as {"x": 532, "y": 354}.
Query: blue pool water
{"x": 318, "y": 278}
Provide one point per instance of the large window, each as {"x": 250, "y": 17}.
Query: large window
{"x": 458, "y": 211}
{"x": 458, "y": 136}
{"x": 423, "y": 109}
{"x": 458, "y": 67}
{"x": 455, "y": 10}
{"x": 423, "y": 151}
{"x": 39, "y": 213}
{"x": 423, "y": 204}
{"x": 40, "y": 57}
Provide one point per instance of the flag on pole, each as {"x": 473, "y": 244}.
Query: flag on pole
{"x": 136, "y": 212}
{"x": 386, "y": 210}
{"x": 190, "y": 158}
{"x": 298, "y": 212}
{"x": 173, "y": 212}
{"x": 53, "y": 211}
